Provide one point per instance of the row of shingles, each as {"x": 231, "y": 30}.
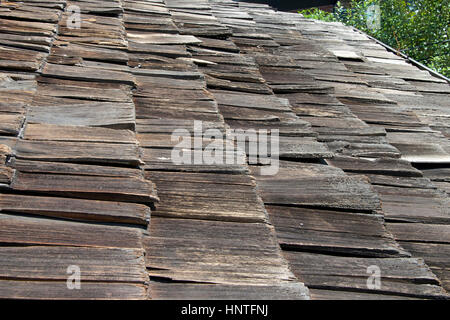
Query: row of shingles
{"x": 416, "y": 92}
{"x": 397, "y": 275}
{"x": 212, "y": 206}
{"x": 390, "y": 196}
{"x": 422, "y": 100}
{"x": 411, "y": 89}
{"x": 289, "y": 184}
{"x": 405, "y": 195}
{"x": 59, "y": 211}
{"x": 209, "y": 236}
{"x": 302, "y": 176}
{"x": 246, "y": 102}
{"x": 24, "y": 46}
{"x": 24, "y": 43}
{"x": 390, "y": 75}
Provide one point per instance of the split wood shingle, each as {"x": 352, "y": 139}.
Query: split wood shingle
{"x": 86, "y": 117}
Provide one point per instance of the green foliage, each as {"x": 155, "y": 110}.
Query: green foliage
{"x": 417, "y": 28}
{"x": 315, "y": 13}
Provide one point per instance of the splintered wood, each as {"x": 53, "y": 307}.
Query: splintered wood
{"x": 226, "y": 238}
{"x": 357, "y": 139}
{"x": 335, "y": 80}
{"x": 75, "y": 194}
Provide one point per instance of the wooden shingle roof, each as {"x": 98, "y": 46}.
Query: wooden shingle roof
{"x": 87, "y": 177}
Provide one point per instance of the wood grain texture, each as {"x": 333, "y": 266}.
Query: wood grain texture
{"x": 322, "y": 294}
{"x": 85, "y": 152}
{"x": 316, "y": 185}
{"x": 333, "y": 231}
{"x": 214, "y": 252}
{"x": 399, "y": 276}
{"x": 161, "y": 160}
{"x": 414, "y": 205}
{"x": 127, "y": 189}
{"x": 87, "y": 74}
{"x": 50, "y": 132}
{"x": 51, "y": 263}
{"x": 10, "y": 124}
{"x": 20, "y": 230}
{"x": 419, "y": 232}
{"x": 208, "y": 196}
{"x": 384, "y": 166}
{"x": 6, "y": 174}
{"x": 96, "y": 114}
{"x": 162, "y": 38}
{"x": 57, "y": 290}
{"x": 75, "y": 191}
{"x": 177, "y": 291}
{"x": 83, "y": 91}
{"x": 76, "y": 209}
{"x": 436, "y": 255}
{"x": 62, "y": 168}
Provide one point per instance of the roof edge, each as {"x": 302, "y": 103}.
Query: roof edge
{"x": 414, "y": 62}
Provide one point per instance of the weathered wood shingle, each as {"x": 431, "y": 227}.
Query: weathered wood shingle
{"x": 86, "y": 156}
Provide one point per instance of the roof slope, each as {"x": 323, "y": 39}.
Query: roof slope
{"x": 85, "y": 146}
